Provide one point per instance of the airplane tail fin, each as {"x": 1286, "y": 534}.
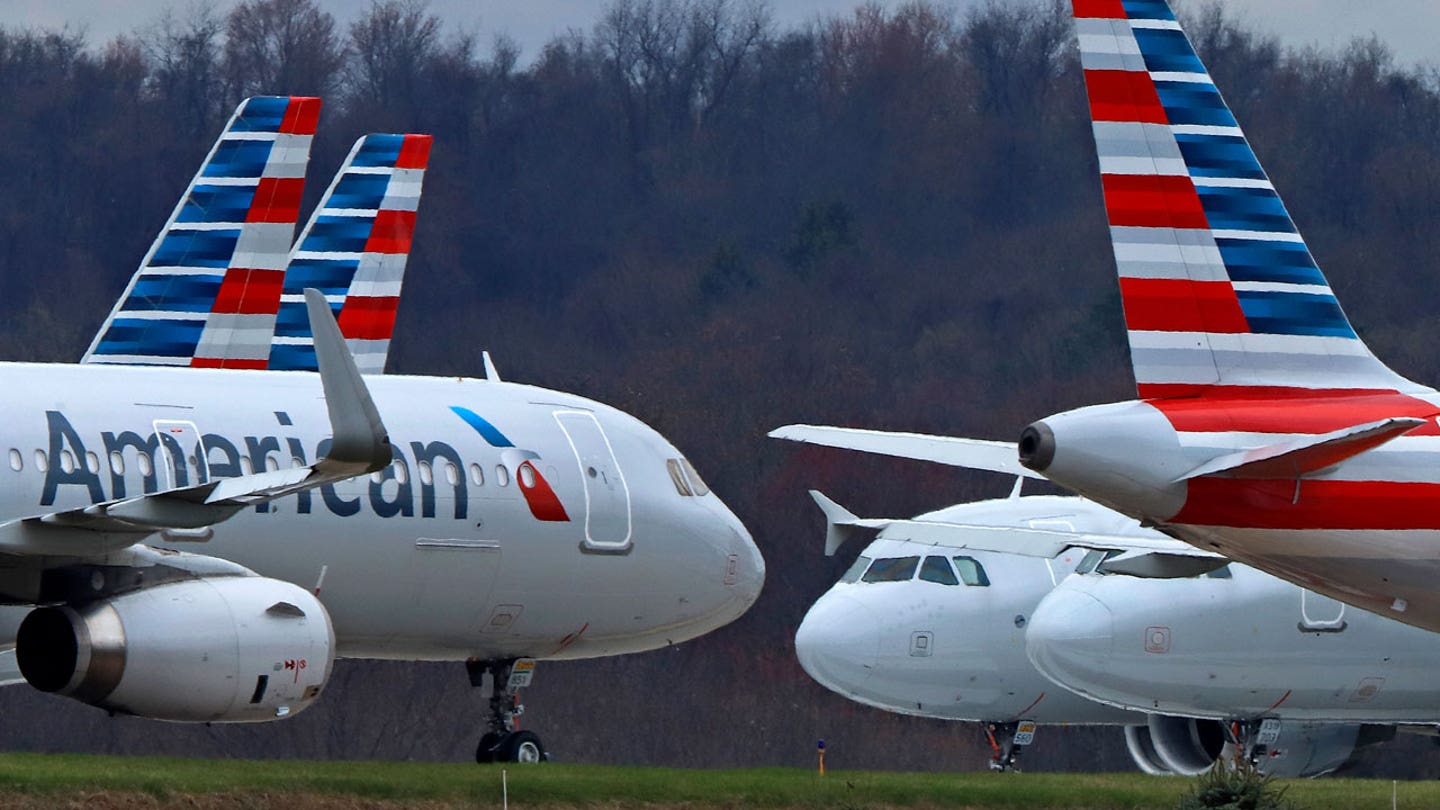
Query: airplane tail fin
{"x": 354, "y": 250}
{"x": 1220, "y": 292}
{"x": 207, "y": 291}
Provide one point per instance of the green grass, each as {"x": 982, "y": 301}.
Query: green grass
{"x": 557, "y": 785}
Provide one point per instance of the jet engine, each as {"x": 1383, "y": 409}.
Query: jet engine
{"x": 217, "y": 649}
{"x": 1185, "y": 745}
{"x": 1188, "y": 747}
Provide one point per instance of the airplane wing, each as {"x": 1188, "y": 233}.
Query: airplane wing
{"x": 975, "y": 454}
{"x": 1154, "y": 557}
{"x": 360, "y": 445}
{"x": 1307, "y": 454}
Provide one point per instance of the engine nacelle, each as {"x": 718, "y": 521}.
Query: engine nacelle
{"x": 1315, "y": 749}
{"x": 1143, "y": 753}
{"x": 219, "y": 649}
{"x": 1185, "y": 745}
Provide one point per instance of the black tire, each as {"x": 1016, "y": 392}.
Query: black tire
{"x": 520, "y": 746}
{"x": 485, "y": 751}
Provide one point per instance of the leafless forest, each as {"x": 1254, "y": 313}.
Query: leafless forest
{"x": 890, "y": 218}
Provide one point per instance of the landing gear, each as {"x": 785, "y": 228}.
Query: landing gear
{"x": 1006, "y": 741}
{"x": 504, "y": 741}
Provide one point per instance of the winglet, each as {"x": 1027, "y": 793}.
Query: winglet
{"x": 359, "y": 437}
{"x": 1293, "y": 459}
{"x": 840, "y": 523}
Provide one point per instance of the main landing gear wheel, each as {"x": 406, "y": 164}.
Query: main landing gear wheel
{"x": 504, "y": 741}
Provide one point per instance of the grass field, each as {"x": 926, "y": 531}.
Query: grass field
{"x": 36, "y": 781}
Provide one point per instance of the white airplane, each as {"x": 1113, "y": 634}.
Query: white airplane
{"x": 408, "y": 518}
{"x": 923, "y": 625}
{"x": 1265, "y": 429}
{"x": 934, "y": 619}
{"x": 1238, "y": 646}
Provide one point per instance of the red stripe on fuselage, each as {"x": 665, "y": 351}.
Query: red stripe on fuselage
{"x": 1124, "y": 95}
{"x": 1291, "y": 411}
{"x": 1272, "y": 504}
{"x": 1153, "y": 201}
{"x": 1181, "y": 305}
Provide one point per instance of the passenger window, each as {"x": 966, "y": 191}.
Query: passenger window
{"x": 695, "y": 482}
{"x": 677, "y": 476}
{"x": 971, "y": 571}
{"x": 67, "y": 461}
{"x": 856, "y": 569}
{"x": 477, "y": 474}
{"x": 895, "y": 569}
{"x": 402, "y": 473}
{"x": 526, "y": 474}
{"x": 502, "y": 476}
{"x": 42, "y": 463}
{"x": 937, "y": 569}
{"x": 426, "y": 475}
{"x": 146, "y": 466}
{"x": 17, "y": 461}
{"x": 452, "y": 474}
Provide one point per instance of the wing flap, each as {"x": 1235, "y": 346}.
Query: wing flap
{"x": 1308, "y": 454}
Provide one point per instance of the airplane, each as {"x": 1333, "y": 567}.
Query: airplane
{"x": 938, "y": 614}
{"x": 1237, "y": 644}
{"x": 1265, "y": 429}
{"x": 397, "y": 517}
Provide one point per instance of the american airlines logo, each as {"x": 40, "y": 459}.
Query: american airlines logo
{"x": 396, "y": 491}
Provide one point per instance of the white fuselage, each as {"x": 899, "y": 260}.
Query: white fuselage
{"x": 1239, "y": 647}
{"x": 955, "y": 652}
{"x": 454, "y": 552}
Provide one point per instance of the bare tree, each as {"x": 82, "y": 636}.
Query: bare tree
{"x": 391, "y": 47}
{"x": 281, "y": 47}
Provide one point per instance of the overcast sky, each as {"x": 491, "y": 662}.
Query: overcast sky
{"x": 1410, "y": 27}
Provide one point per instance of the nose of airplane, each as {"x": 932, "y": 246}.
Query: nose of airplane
{"x": 1070, "y": 638}
{"x": 838, "y": 643}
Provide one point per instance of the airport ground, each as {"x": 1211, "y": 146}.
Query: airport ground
{"x": 70, "y": 780}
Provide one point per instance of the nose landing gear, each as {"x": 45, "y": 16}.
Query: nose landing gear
{"x": 1006, "y": 741}
{"x": 504, "y": 741}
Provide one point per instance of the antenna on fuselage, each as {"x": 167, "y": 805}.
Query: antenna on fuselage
{"x": 490, "y": 373}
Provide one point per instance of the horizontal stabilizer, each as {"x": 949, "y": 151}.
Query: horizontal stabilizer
{"x": 1308, "y": 454}
{"x": 974, "y": 454}
{"x": 359, "y": 445}
{"x": 841, "y": 525}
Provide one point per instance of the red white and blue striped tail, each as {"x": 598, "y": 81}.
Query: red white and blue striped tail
{"x": 1220, "y": 292}
{"x": 207, "y": 292}
{"x": 354, "y": 250}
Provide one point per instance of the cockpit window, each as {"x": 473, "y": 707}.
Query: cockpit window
{"x": 937, "y": 569}
{"x": 894, "y": 569}
{"x": 1223, "y": 572}
{"x": 856, "y": 569}
{"x": 677, "y": 476}
{"x": 696, "y": 483}
{"x": 971, "y": 571}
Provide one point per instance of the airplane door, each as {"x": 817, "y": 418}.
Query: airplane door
{"x": 607, "y": 497}
{"x": 182, "y": 454}
{"x": 1320, "y": 614}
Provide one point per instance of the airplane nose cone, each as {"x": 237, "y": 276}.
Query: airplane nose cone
{"x": 749, "y": 575}
{"x": 1071, "y": 639}
{"x": 838, "y": 643}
